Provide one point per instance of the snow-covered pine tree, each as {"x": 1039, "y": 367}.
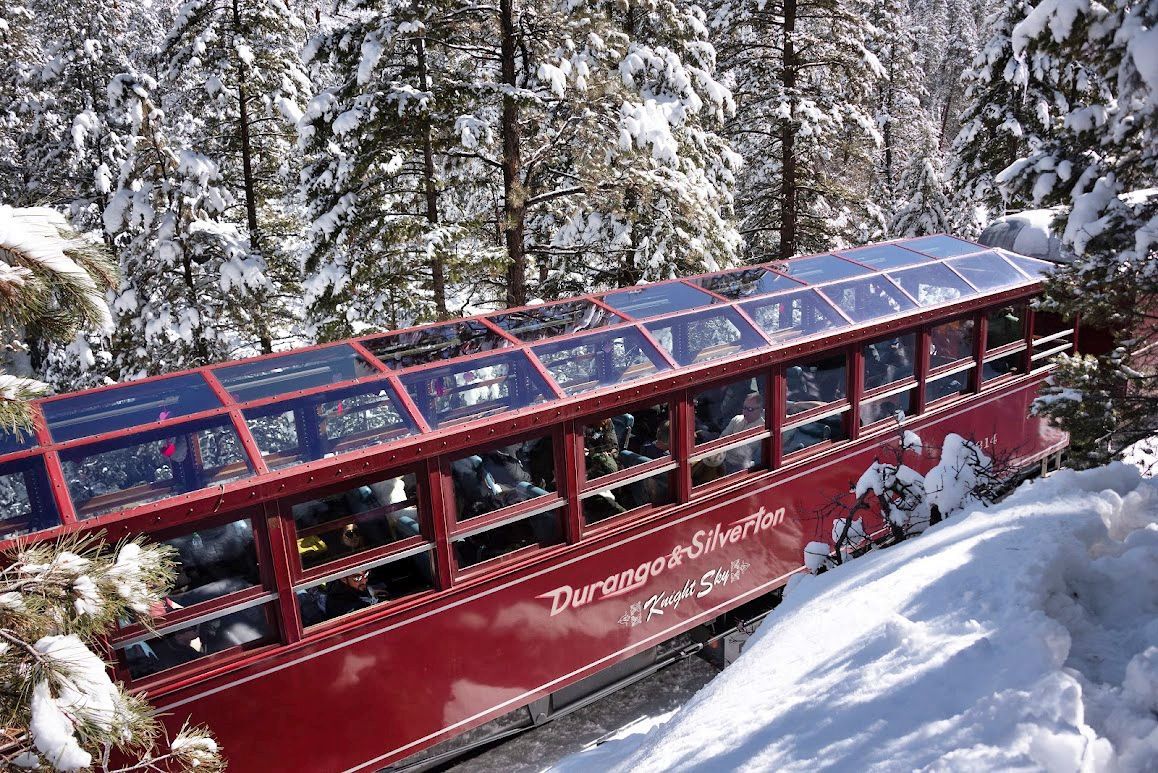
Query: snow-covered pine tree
{"x": 923, "y": 207}
{"x": 804, "y": 83}
{"x": 235, "y": 89}
{"x": 20, "y": 57}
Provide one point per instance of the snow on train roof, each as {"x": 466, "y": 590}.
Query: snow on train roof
{"x": 129, "y": 444}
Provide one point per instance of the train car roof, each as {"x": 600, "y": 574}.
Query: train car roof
{"x": 532, "y": 355}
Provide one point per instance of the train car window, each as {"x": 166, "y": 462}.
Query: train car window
{"x": 213, "y": 562}
{"x": 704, "y": 336}
{"x": 621, "y": 442}
{"x": 815, "y": 383}
{"x": 1005, "y": 326}
{"x": 1052, "y": 335}
{"x": 475, "y": 389}
{"x": 362, "y": 588}
{"x": 821, "y": 268}
{"x": 541, "y": 530}
{"x": 894, "y": 406}
{"x": 356, "y": 520}
{"x": 736, "y": 408}
{"x": 951, "y": 342}
{"x": 794, "y": 315}
{"x": 943, "y": 246}
{"x": 556, "y": 319}
{"x": 131, "y": 405}
{"x": 654, "y": 490}
{"x": 885, "y": 256}
{"x": 953, "y": 384}
{"x": 1032, "y": 267}
{"x": 867, "y": 299}
{"x": 26, "y": 503}
{"x": 293, "y": 372}
{"x": 933, "y": 284}
{"x": 988, "y": 271}
{"x": 12, "y": 441}
{"x": 828, "y": 429}
{"x": 653, "y": 300}
{"x": 500, "y": 477}
{"x": 889, "y": 360}
{"x": 195, "y": 640}
{"x": 431, "y": 344}
{"x": 600, "y": 359}
{"x": 1009, "y": 365}
{"x": 147, "y": 466}
{"x": 312, "y": 427}
{"x": 746, "y": 283}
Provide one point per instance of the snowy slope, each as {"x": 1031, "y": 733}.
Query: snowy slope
{"x": 1020, "y": 637}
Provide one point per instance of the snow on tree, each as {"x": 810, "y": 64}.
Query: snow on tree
{"x": 925, "y": 207}
{"x": 52, "y": 286}
{"x": 20, "y": 57}
{"x": 61, "y": 709}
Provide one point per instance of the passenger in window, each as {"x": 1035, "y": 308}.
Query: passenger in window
{"x": 661, "y": 446}
{"x": 803, "y": 394}
{"x": 886, "y": 362}
{"x": 348, "y": 594}
{"x": 951, "y": 342}
{"x": 600, "y": 449}
{"x": 505, "y": 466}
{"x": 746, "y": 456}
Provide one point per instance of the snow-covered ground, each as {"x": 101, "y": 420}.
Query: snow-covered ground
{"x": 1023, "y": 636}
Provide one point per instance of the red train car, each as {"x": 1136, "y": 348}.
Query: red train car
{"x": 389, "y": 541}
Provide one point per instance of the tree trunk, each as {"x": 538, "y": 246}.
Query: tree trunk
{"x": 437, "y": 267}
{"x": 787, "y": 139}
{"x": 514, "y": 199}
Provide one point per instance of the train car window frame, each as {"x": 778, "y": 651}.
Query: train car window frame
{"x": 1007, "y": 350}
{"x": 794, "y": 422}
{"x": 961, "y": 363}
{"x": 719, "y": 446}
{"x": 903, "y": 386}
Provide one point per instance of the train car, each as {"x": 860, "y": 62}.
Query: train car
{"x": 396, "y": 540}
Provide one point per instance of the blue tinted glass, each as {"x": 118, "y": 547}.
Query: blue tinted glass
{"x": 118, "y": 474}
{"x": 942, "y": 246}
{"x": 987, "y": 271}
{"x": 428, "y": 344}
{"x": 539, "y": 322}
{"x": 132, "y": 405}
{"x": 476, "y": 388}
{"x": 794, "y": 315}
{"x": 292, "y": 372}
{"x": 746, "y": 283}
{"x": 26, "y": 503}
{"x": 598, "y": 360}
{"x": 15, "y": 441}
{"x": 335, "y": 422}
{"x": 932, "y": 284}
{"x": 703, "y": 336}
{"x": 822, "y": 268}
{"x": 653, "y": 300}
{"x": 1033, "y": 268}
{"x": 882, "y": 256}
{"x": 870, "y": 298}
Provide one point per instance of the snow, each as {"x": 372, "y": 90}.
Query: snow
{"x": 1022, "y": 636}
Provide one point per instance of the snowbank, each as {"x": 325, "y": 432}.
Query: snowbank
{"x": 1023, "y": 636}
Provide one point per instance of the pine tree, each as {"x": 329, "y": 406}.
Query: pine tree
{"x": 20, "y": 59}
{"x": 925, "y": 210}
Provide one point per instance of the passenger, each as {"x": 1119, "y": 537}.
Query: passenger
{"x": 802, "y": 393}
{"x": 600, "y": 448}
{"x": 746, "y": 456}
{"x": 661, "y": 446}
{"x": 348, "y": 594}
{"x": 505, "y": 467}
{"x": 950, "y": 342}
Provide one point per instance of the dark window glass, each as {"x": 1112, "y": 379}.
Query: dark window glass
{"x": 653, "y": 300}
{"x": 728, "y": 409}
{"x": 953, "y": 384}
{"x": 11, "y": 441}
{"x": 476, "y": 388}
{"x": 504, "y": 476}
{"x": 942, "y": 246}
{"x": 705, "y": 336}
{"x": 987, "y": 271}
{"x": 744, "y": 457}
{"x": 746, "y": 283}
{"x": 866, "y": 299}
{"x": 131, "y": 405}
{"x": 821, "y": 268}
{"x": 430, "y": 344}
{"x": 1009, "y": 365}
{"x": 626, "y": 440}
{"x": 600, "y": 359}
{"x": 794, "y": 315}
{"x": 815, "y": 383}
{"x": 556, "y": 319}
{"x": 196, "y": 641}
{"x": 542, "y": 530}
{"x": 932, "y": 284}
{"x": 656, "y": 490}
{"x": 886, "y": 408}
{"x": 293, "y": 372}
{"x": 356, "y": 520}
{"x": 885, "y": 256}
{"x": 950, "y": 342}
{"x": 363, "y": 588}
{"x": 26, "y": 503}
{"x": 829, "y": 429}
{"x": 319, "y": 425}
{"x": 213, "y": 562}
{"x": 118, "y": 474}
{"x": 889, "y": 360}
{"x": 1005, "y": 326}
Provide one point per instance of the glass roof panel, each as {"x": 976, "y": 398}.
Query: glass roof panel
{"x": 821, "y": 268}
{"x": 293, "y": 372}
{"x": 745, "y": 283}
{"x": 11, "y": 441}
{"x": 884, "y": 256}
{"x": 932, "y": 284}
{"x": 599, "y": 360}
{"x": 987, "y": 271}
{"x": 303, "y": 429}
{"x": 539, "y": 322}
{"x": 653, "y": 300}
{"x": 26, "y": 503}
{"x": 153, "y": 464}
{"x": 795, "y": 315}
{"x": 942, "y": 246}
{"x": 706, "y": 335}
{"x": 477, "y": 388}
{"x": 428, "y": 344}
{"x": 869, "y": 298}
{"x": 129, "y": 405}
{"x": 1033, "y": 268}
